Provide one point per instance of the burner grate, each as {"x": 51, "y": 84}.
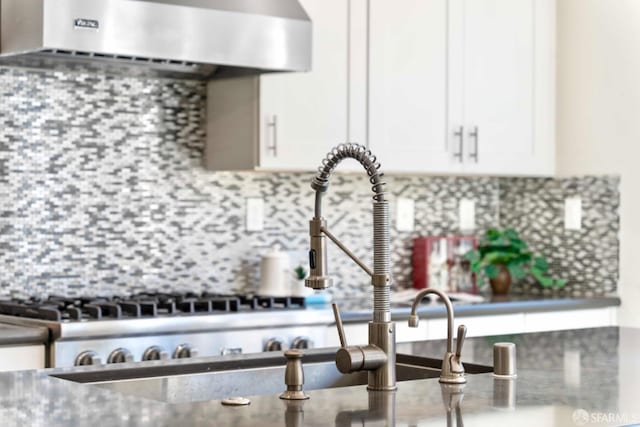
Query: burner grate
{"x": 143, "y": 305}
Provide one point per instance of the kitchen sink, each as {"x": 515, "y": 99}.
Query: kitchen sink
{"x": 241, "y": 375}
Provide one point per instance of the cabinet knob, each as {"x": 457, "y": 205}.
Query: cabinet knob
{"x": 120, "y": 355}
{"x": 301, "y": 343}
{"x": 155, "y": 353}
{"x": 184, "y": 351}
{"x": 274, "y": 344}
{"x": 87, "y": 358}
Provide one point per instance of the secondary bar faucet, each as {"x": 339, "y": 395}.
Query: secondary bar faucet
{"x": 452, "y": 371}
{"x": 379, "y": 356}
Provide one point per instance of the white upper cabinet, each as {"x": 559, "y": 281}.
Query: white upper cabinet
{"x": 431, "y": 86}
{"x": 303, "y": 115}
{"x": 285, "y": 121}
{"x": 497, "y": 61}
{"x": 463, "y": 86}
{"x": 506, "y": 67}
{"x": 408, "y": 85}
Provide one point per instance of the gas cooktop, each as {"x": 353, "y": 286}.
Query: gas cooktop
{"x": 142, "y": 305}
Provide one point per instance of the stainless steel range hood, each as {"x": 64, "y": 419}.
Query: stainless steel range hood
{"x": 174, "y": 38}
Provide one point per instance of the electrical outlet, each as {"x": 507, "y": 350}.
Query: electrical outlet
{"x": 467, "y": 214}
{"x": 405, "y": 214}
{"x": 255, "y": 214}
{"x": 573, "y": 213}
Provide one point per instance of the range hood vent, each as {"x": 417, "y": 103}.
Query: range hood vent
{"x": 194, "y": 39}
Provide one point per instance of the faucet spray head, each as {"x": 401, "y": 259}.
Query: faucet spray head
{"x": 318, "y": 282}
{"x": 318, "y": 278}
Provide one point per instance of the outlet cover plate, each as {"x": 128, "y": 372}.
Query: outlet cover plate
{"x": 573, "y": 213}
{"x": 405, "y": 214}
{"x": 255, "y": 214}
{"x": 467, "y": 214}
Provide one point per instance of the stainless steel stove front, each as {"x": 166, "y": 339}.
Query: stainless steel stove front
{"x": 64, "y": 353}
{"x": 124, "y": 340}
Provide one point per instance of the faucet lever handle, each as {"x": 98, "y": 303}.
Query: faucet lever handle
{"x": 462, "y": 333}
{"x": 336, "y": 315}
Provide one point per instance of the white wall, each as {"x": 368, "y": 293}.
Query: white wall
{"x": 599, "y": 114}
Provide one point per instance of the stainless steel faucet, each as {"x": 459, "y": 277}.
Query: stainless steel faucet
{"x": 452, "y": 371}
{"x": 379, "y": 356}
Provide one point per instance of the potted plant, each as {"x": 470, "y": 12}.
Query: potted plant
{"x": 503, "y": 256}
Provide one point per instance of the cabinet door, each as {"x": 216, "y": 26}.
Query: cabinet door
{"x": 303, "y": 115}
{"x": 498, "y": 84}
{"x": 408, "y": 86}
{"x": 17, "y": 358}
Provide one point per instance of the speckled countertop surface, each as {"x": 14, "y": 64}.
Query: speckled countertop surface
{"x": 359, "y": 310}
{"x": 566, "y": 378}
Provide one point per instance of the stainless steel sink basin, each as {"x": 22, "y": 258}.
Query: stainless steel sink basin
{"x": 243, "y": 375}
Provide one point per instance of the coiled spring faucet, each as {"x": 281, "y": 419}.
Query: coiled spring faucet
{"x": 379, "y": 356}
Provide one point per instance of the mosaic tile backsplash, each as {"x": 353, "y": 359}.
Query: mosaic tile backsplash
{"x": 102, "y": 192}
{"x": 588, "y": 257}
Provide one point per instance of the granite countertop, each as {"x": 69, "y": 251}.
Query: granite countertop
{"x": 22, "y": 335}
{"x": 359, "y": 310}
{"x": 566, "y": 378}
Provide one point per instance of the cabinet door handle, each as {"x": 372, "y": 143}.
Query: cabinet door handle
{"x": 459, "y": 133}
{"x": 475, "y": 135}
{"x": 273, "y": 125}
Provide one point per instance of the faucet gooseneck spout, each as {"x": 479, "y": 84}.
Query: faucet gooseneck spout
{"x": 379, "y": 356}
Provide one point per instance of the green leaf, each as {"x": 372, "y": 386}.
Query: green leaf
{"x": 518, "y": 244}
{"x": 541, "y": 263}
{"x": 541, "y": 278}
{"x": 493, "y": 234}
{"x": 516, "y": 271}
{"x": 498, "y": 257}
{"x": 537, "y": 273}
{"x": 524, "y": 257}
{"x": 546, "y": 281}
{"x": 491, "y": 271}
{"x": 473, "y": 255}
{"x": 511, "y": 234}
{"x": 476, "y": 266}
{"x": 497, "y": 247}
{"x": 560, "y": 283}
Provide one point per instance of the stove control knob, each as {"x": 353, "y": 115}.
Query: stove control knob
{"x": 184, "y": 351}
{"x": 274, "y": 344}
{"x": 301, "y": 343}
{"x": 155, "y": 353}
{"x": 87, "y": 358}
{"x": 120, "y": 355}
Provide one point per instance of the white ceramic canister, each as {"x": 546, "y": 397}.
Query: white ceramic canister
{"x": 275, "y": 273}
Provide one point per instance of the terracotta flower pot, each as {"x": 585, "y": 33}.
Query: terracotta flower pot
{"x": 502, "y": 283}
